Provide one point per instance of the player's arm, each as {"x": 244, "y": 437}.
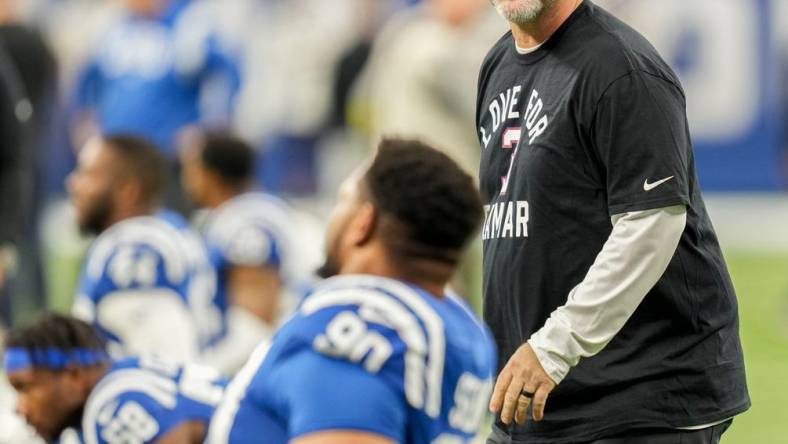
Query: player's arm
{"x": 343, "y": 437}
{"x": 255, "y": 289}
{"x": 245, "y": 331}
{"x": 192, "y": 432}
{"x": 249, "y": 261}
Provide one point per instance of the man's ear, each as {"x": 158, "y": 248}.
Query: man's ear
{"x": 363, "y": 226}
{"x": 210, "y": 178}
{"x": 72, "y": 379}
{"x": 129, "y": 191}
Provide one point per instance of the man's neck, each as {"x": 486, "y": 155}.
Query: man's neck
{"x": 222, "y": 194}
{"x": 431, "y": 276}
{"x": 538, "y": 31}
{"x": 130, "y": 212}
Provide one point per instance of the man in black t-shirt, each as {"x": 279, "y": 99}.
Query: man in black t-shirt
{"x": 604, "y": 283}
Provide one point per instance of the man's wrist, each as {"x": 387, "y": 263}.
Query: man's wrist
{"x": 555, "y": 367}
{"x": 553, "y": 345}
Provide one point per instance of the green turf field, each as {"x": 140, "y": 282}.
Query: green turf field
{"x": 762, "y": 285}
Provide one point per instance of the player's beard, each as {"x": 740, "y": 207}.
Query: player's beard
{"x": 74, "y": 419}
{"x": 331, "y": 266}
{"x": 69, "y": 419}
{"x": 97, "y": 217}
{"x": 328, "y": 269}
{"x": 521, "y": 12}
{"x": 334, "y": 234}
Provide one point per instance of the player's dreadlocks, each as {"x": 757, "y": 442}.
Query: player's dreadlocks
{"x": 142, "y": 161}
{"x": 55, "y": 331}
{"x": 430, "y": 208}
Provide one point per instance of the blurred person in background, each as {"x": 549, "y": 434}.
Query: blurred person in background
{"x": 251, "y": 238}
{"x": 35, "y": 63}
{"x": 422, "y": 74}
{"x": 29, "y": 68}
{"x": 161, "y": 68}
{"x": 291, "y": 49}
{"x": 351, "y": 64}
{"x": 65, "y": 379}
{"x": 13, "y": 180}
{"x": 14, "y": 177}
{"x": 147, "y": 273}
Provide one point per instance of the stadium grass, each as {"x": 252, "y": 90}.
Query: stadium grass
{"x": 761, "y": 282}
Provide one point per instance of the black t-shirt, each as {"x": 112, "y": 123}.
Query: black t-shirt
{"x": 593, "y": 124}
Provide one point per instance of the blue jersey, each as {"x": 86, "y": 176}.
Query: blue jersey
{"x": 206, "y": 304}
{"x": 148, "y": 75}
{"x": 157, "y": 255}
{"x": 141, "y": 400}
{"x": 370, "y": 354}
{"x": 251, "y": 229}
{"x": 256, "y": 229}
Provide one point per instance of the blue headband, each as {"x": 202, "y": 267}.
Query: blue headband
{"x": 18, "y": 358}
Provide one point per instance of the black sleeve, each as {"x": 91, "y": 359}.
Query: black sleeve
{"x": 642, "y": 140}
{"x": 10, "y": 170}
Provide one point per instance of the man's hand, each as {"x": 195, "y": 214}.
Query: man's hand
{"x": 522, "y": 376}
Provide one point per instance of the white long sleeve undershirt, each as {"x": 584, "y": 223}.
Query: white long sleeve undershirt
{"x": 632, "y": 260}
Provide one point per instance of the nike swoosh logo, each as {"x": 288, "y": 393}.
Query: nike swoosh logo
{"x": 650, "y": 186}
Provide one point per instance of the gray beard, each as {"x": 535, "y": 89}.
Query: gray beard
{"x": 526, "y": 14}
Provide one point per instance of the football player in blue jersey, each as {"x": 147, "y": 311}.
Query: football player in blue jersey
{"x": 381, "y": 352}
{"x": 251, "y": 239}
{"x": 161, "y": 66}
{"x": 146, "y": 276}
{"x": 64, "y": 379}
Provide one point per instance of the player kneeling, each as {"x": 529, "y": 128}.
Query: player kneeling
{"x": 64, "y": 379}
{"x": 380, "y": 353}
